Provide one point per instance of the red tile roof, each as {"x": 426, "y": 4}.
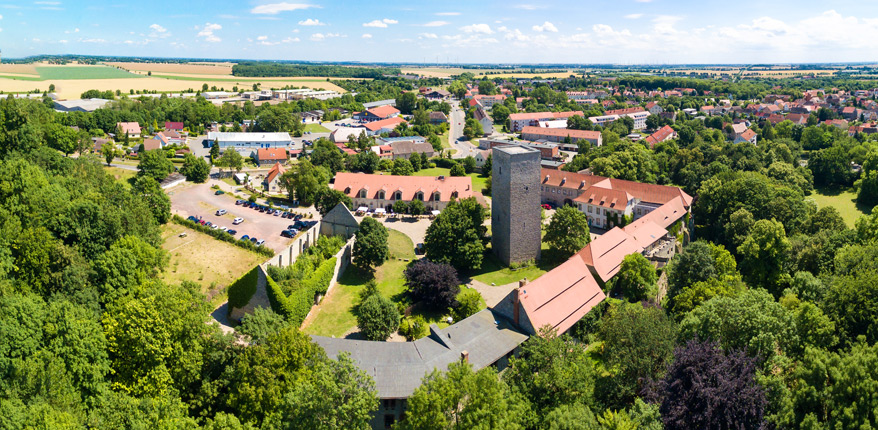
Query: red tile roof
{"x": 650, "y": 193}
{"x": 129, "y": 127}
{"x": 352, "y": 183}
{"x": 271, "y": 154}
{"x": 604, "y": 197}
{"x": 748, "y": 134}
{"x": 561, "y": 297}
{"x": 150, "y": 144}
{"x": 562, "y": 132}
{"x": 383, "y": 111}
{"x": 625, "y": 111}
{"x": 536, "y": 116}
{"x": 644, "y": 233}
{"x": 384, "y": 123}
{"x": 559, "y": 178}
{"x": 606, "y": 252}
{"x": 661, "y": 135}
{"x": 276, "y": 170}
{"x": 178, "y": 126}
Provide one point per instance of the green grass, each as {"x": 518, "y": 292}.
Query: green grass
{"x": 218, "y": 79}
{"x": 21, "y": 78}
{"x": 316, "y": 128}
{"x": 335, "y": 315}
{"x": 844, "y": 200}
{"x": 479, "y": 182}
{"x": 493, "y": 272}
{"x": 123, "y": 175}
{"x": 75, "y": 72}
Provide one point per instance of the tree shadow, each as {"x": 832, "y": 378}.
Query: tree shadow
{"x": 831, "y": 191}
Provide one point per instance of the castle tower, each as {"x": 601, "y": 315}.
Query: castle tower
{"x": 515, "y": 204}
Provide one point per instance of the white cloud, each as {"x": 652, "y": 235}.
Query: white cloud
{"x": 547, "y": 26}
{"x": 477, "y": 28}
{"x": 262, "y": 38}
{"x": 207, "y": 32}
{"x": 529, "y": 6}
{"x": 367, "y": 36}
{"x": 310, "y": 22}
{"x": 380, "y": 23}
{"x": 319, "y": 37}
{"x": 290, "y": 40}
{"x": 447, "y": 13}
{"x": 93, "y": 40}
{"x": 436, "y": 23}
{"x": 158, "y": 32}
{"x": 1, "y": 16}
{"x": 428, "y": 36}
{"x": 633, "y": 16}
{"x": 276, "y": 8}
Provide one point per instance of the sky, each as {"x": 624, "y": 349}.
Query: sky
{"x": 487, "y": 31}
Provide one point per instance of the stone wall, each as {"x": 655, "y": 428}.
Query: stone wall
{"x": 300, "y": 244}
{"x": 515, "y": 206}
{"x": 258, "y": 300}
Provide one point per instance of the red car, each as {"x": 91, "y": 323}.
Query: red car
{"x": 546, "y": 206}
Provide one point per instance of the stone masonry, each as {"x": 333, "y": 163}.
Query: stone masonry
{"x": 515, "y": 206}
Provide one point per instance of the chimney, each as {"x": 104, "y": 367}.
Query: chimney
{"x": 464, "y": 356}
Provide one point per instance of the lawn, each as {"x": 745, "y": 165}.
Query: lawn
{"x": 316, "y": 128}
{"x": 479, "y": 182}
{"x": 335, "y": 314}
{"x": 199, "y": 258}
{"x": 494, "y": 273}
{"x": 120, "y": 174}
{"x": 83, "y": 72}
{"x": 842, "y": 199}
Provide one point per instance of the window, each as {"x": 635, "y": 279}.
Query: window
{"x": 454, "y": 195}
{"x": 397, "y": 196}
{"x": 419, "y": 196}
{"x": 436, "y": 196}
{"x": 389, "y": 403}
{"x": 589, "y": 209}
{"x": 362, "y": 194}
{"x": 389, "y": 420}
{"x": 381, "y": 195}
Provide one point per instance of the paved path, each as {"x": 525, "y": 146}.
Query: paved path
{"x": 415, "y": 229}
{"x": 455, "y": 134}
{"x": 492, "y": 294}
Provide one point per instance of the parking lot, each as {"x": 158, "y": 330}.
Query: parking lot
{"x": 200, "y": 200}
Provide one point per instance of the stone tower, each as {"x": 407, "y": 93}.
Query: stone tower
{"x": 515, "y": 204}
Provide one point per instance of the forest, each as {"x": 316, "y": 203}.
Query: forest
{"x": 264, "y": 69}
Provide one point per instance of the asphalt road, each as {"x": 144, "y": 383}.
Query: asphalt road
{"x": 455, "y": 134}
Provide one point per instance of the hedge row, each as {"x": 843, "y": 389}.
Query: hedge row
{"x": 296, "y": 307}
{"x": 223, "y": 236}
{"x": 243, "y": 289}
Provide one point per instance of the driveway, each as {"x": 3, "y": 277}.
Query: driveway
{"x": 455, "y": 134}
{"x": 415, "y": 229}
{"x": 199, "y": 200}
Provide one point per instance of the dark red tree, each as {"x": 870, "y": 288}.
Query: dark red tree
{"x": 434, "y": 284}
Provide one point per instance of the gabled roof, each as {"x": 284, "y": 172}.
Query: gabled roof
{"x": 661, "y": 135}
{"x": 275, "y": 171}
{"x": 384, "y": 123}
{"x": 537, "y": 116}
{"x": 267, "y": 154}
{"x": 173, "y": 126}
{"x": 748, "y": 134}
{"x": 626, "y": 111}
{"x": 150, "y": 144}
{"x": 650, "y": 193}
{"x": 605, "y": 253}
{"x": 644, "y": 233}
{"x": 352, "y": 183}
{"x": 604, "y": 197}
{"x": 128, "y": 127}
{"x": 559, "y": 178}
{"x": 562, "y": 296}
{"x": 562, "y": 132}
{"x": 383, "y": 111}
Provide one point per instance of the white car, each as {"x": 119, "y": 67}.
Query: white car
{"x": 260, "y": 242}
{"x": 238, "y": 220}
{"x": 215, "y": 227}
{"x": 224, "y": 228}
{"x": 221, "y": 212}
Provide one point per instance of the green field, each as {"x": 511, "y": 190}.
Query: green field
{"x": 218, "y": 79}
{"x": 20, "y": 78}
{"x": 843, "y": 200}
{"x": 81, "y": 72}
{"x": 479, "y": 182}
{"x": 316, "y": 128}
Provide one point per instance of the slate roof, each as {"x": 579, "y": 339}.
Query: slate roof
{"x": 399, "y": 367}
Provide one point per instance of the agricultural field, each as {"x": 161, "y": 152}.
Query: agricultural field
{"x": 81, "y": 72}
{"x": 191, "y": 69}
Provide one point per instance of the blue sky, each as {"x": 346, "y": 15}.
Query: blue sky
{"x": 512, "y": 31}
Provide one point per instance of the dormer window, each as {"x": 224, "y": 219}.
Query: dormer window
{"x": 381, "y": 195}
{"x": 454, "y": 194}
{"x": 419, "y": 196}
{"x": 436, "y": 196}
{"x": 362, "y": 194}
{"x": 397, "y": 195}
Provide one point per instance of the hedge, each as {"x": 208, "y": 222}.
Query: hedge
{"x": 296, "y": 307}
{"x": 243, "y": 289}
{"x": 223, "y": 236}
{"x": 446, "y": 163}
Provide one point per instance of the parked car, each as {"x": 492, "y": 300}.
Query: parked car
{"x": 192, "y": 218}
{"x": 221, "y": 212}
{"x": 277, "y": 212}
{"x": 291, "y": 233}
{"x": 245, "y": 237}
{"x": 238, "y": 220}
{"x": 224, "y": 228}
{"x": 545, "y": 206}
{"x": 239, "y": 202}
{"x": 419, "y": 249}
{"x": 219, "y": 192}
{"x": 232, "y": 232}
{"x": 215, "y": 226}
{"x": 202, "y": 222}
{"x": 253, "y": 239}
{"x": 298, "y": 217}
{"x": 260, "y": 242}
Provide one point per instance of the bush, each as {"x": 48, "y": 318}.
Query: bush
{"x": 242, "y": 290}
{"x": 469, "y": 301}
{"x": 223, "y": 236}
{"x": 434, "y": 284}
{"x": 414, "y": 328}
{"x": 377, "y": 317}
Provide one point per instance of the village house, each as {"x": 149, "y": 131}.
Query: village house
{"x": 150, "y": 144}
{"x": 487, "y": 102}
{"x": 484, "y": 120}
{"x": 663, "y": 134}
{"x": 381, "y": 191}
{"x": 747, "y": 136}
{"x": 170, "y": 137}
{"x": 174, "y": 126}
{"x": 518, "y": 121}
{"x": 377, "y": 113}
{"x": 653, "y": 108}
{"x": 383, "y": 126}
{"x": 437, "y": 117}
{"x": 405, "y": 149}
{"x": 131, "y": 128}
{"x": 270, "y": 156}
{"x": 271, "y": 183}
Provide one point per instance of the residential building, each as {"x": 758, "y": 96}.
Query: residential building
{"x": 518, "y": 121}
{"x": 170, "y": 137}
{"x": 487, "y": 102}
{"x": 663, "y": 134}
{"x": 131, "y": 128}
{"x": 559, "y": 135}
{"x": 174, "y": 126}
{"x": 99, "y": 143}
{"x": 271, "y": 183}
{"x": 150, "y": 144}
{"x": 377, "y": 113}
{"x": 437, "y": 95}
{"x": 747, "y": 136}
{"x": 638, "y": 114}
{"x": 383, "y": 126}
{"x": 405, "y": 149}
{"x": 515, "y": 208}
{"x": 437, "y": 117}
{"x": 80, "y": 105}
{"x": 249, "y": 140}
{"x": 484, "y": 120}
{"x": 381, "y": 191}
{"x": 270, "y": 156}
{"x": 653, "y": 108}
